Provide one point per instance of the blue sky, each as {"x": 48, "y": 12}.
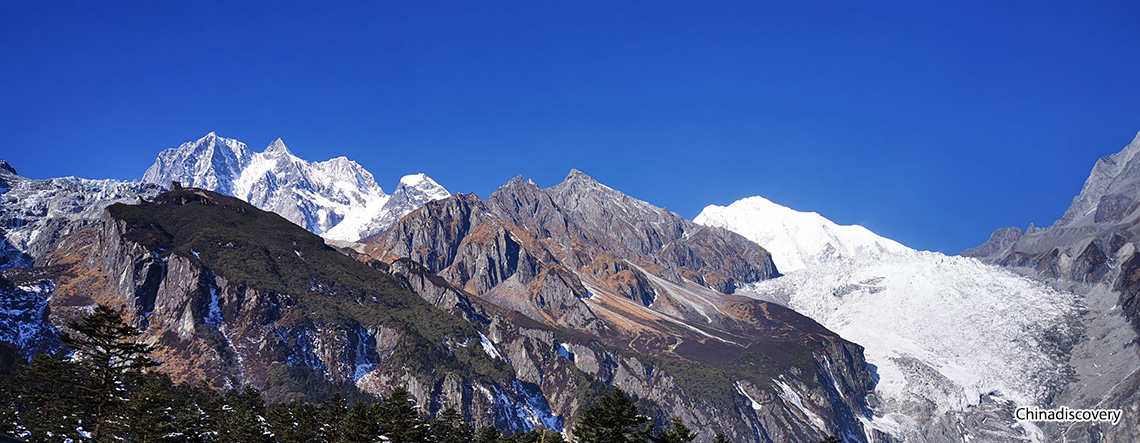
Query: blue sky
{"x": 929, "y": 124}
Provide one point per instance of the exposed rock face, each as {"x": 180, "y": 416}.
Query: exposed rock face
{"x": 1096, "y": 233}
{"x": 582, "y": 214}
{"x": 336, "y": 198}
{"x": 35, "y": 214}
{"x": 1000, "y": 240}
{"x": 636, "y": 297}
{"x": 24, "y": 313}
{"x": 1093, "y": 250}
{"x": 294, "y": 318}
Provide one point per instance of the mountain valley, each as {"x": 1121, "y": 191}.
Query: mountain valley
{"x": 755, "y": 321}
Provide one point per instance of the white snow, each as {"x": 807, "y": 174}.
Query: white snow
{"x": 336, "y": 198}
{"x": 564, "y": 352}
{"x": 938, "y": 329}
{"x": 489, "y": 347}
{"x": 214, "y": 310}
{"x": 755, "y": 405}
{"x": 795, "y": 239}
{"x": 794, "y": 398}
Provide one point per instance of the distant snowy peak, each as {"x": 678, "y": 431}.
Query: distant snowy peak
{"x": 212, "y": 163}
{"x": 336, "y": 198}
{"x": 413, "y": 192}
{"x": 796, "y": 239}
{"x": 421, "y": 184}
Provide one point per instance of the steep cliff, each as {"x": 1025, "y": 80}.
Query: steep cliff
{"x": 635, "y": 296}
{"x": 233, "y": 296}
{"x": 1094, "y": 251}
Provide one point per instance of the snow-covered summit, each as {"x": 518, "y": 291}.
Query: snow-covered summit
{"x": 796, "y": 239}
{"x": 211, "y": 162}
{"x": 947, "y": 336}
{"x": 424, "y": 184}
{"x": 414, "y": 191}
{"x": 336, "y": 198}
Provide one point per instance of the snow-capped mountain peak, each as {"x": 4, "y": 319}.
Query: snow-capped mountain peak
{"x": 319, "y": 196}
{"x": 277, "y": 148}
{"x": 947, "y": 336}
{"x": 211, "y": 162}
{"x": 424, "y": 184}
{"x": 796, "y": 239}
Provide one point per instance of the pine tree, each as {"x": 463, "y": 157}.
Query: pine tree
{"x": 488, "y": 434}
{"x": 333, "y": 411}
{"x": 298, "y": 421}
{"x": 192, "y": 418}
{"x": 399, "y": 419}
{"x": 449, "y": 427}
{"x": 107, "y": 354}
{"x": 11, "y": 364}
{"x": 360, "y": 426}
{"x": 48, "y": 402}
{"x": 238, "y": 416}
{"x": 720, "y": 438}
{"x": 150, "y": 415}
{"x": 612, "y": 419}
{"x": 677, "y": 432}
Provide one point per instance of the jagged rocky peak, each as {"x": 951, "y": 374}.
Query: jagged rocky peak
{"x": 7, "y": 168}
{"x": 211, "y": 162}
{"x": 7, "y": 174}
{"x": 620, "y": 271}
{"x": 1093, "y": 232}
{"x": 1091, "y": 250}
{"x": 337, "y": 198}
{"x": 278, "y": 148}
{"x": 1116, "y": 173}
{"x": 578, "y": 184}
{"x": 1001, "y": 239}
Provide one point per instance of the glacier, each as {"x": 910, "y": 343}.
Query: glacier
{"x": 948, "y": 337}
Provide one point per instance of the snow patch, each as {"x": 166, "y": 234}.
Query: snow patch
{"x": 793, "y": 397}
{"x": 564, "y": 352}
{"x": 489, "y": 347}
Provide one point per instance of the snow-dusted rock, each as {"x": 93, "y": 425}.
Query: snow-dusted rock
{"x": 336, "y": 198}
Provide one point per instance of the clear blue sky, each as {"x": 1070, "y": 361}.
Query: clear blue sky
{"x": 930, "y": 124}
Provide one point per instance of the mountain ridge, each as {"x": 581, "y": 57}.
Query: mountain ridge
{"x": 336, "y": 198}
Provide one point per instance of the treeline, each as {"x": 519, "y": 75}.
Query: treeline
{"x": 105, "y": 393}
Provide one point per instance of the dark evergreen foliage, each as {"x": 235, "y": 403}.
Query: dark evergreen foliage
{"x": 107, "y": 356}
{"x": 105, "y": 394}
{"x": 677, "y": 432}
{"x": 614, "y": 418}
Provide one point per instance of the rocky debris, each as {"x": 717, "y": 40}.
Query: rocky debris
{"x": 1092, "y": 250}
